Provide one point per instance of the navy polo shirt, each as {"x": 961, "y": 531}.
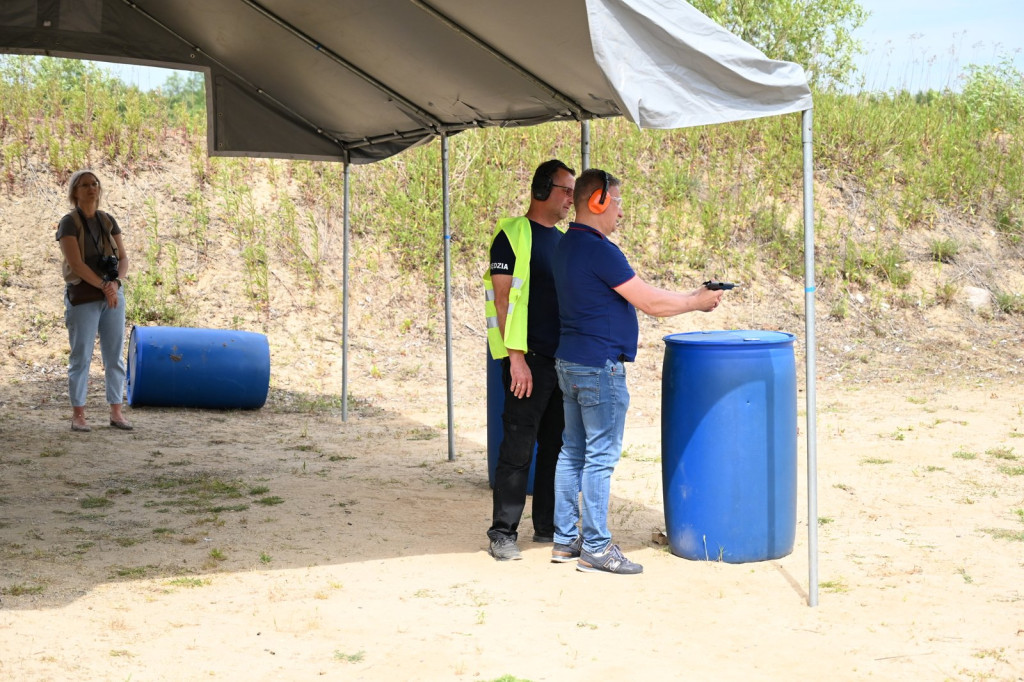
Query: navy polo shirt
{"x": 597, "y": 323}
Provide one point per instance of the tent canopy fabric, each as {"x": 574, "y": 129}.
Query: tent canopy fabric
{"x": 362, "y": 80}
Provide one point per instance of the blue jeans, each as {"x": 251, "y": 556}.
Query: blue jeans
{"x": 595, "y": 401}
{"x": 84, "y": 321}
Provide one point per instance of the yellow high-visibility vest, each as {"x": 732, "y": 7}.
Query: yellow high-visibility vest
{"x": 520, "y": 236}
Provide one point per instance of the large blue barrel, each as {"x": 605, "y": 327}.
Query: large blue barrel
{"x": 186, "y": 367}
{"x": 728, "y": 430}
{"x": 495, "y": 426}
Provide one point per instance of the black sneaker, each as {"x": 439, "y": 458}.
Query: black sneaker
{"x": 561, "y": 554}
{"x": 504, "y": 548}
{"x": 609, "y": 561}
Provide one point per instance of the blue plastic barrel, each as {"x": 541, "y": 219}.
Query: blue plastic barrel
{"x": 187, "y": 367}
{"x": 495, "y": 426}
{"x": 728, "y": 430}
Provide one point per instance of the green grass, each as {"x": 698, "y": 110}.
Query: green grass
{"x": 196, "y": 494}
{"x": 133, "y": 571}
{"x": 21, "y": 590}
{"x": 1004, "y": 534}
{"x": 349, "y": 658}
{"x": 1002, "y": 453}
{"x": 943, "y": 250}
{"x": 1010, "y": 303}
{"x": 835, "y": 586}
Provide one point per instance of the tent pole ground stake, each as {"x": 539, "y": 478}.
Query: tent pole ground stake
{"x": 811, "y": 378}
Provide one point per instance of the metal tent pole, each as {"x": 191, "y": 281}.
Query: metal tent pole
{"x": 584, "y": 145}
{"x": 448, "y": 292}
{"x": 809, "y": 288}
{"x": 344, "y": 297}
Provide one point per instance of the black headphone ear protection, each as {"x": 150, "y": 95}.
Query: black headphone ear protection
{"x": 542, "y": 187}
{"x": 600, "y": 200}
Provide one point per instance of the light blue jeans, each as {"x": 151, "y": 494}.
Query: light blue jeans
{"x": 595, "y": 400}
{"x": 84, "y": 321}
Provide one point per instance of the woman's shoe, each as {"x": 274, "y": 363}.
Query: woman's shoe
{"x": 121, "y": 424}
{"x": 84, "y": 428}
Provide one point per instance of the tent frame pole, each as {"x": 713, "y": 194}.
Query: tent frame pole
{"x": 584, "y": 145}
{"x": 446, "y": 204}
{"x": 811, "y": 378}
{"x": 344, "y": 293}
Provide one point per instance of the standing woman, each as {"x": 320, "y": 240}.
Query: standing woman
{"x": 94, "y": 263}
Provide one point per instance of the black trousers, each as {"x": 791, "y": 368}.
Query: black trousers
{"x": 538, "y": 420}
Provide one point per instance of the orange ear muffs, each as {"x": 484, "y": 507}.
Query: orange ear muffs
{"x": 600, "y": 200}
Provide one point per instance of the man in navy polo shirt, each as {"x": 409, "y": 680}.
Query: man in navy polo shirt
{"x": 598, "y": 294}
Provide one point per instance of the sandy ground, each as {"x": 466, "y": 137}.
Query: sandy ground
{"x": 149, "y": 556}
{"x": 287, "y": 544}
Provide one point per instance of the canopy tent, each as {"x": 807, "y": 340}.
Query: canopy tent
{"x": 358, "y": 81}
{"x": 361, "y": 80}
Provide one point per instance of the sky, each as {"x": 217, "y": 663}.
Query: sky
{"x": 928, "y": 44}
{"x": 911, "y": 44}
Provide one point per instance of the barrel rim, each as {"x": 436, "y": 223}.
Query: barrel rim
{"x": 731, "y": 337}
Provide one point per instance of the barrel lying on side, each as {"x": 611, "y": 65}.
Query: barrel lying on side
{"x": 188, "y": 367}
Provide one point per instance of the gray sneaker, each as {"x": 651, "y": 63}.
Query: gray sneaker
{"x": 504, "y": 548}
{"x": 609, "y": 561}
{"x": 561, "y": 554}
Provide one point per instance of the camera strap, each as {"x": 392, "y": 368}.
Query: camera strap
{"x": 95, "y": 241}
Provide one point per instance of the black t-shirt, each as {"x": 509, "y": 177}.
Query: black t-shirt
{"x": 542, "y": 328}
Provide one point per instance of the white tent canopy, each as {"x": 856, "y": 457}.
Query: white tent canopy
{"x": 358, "y": 81}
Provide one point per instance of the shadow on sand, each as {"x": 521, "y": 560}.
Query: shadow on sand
{"x": 190, "y": 493}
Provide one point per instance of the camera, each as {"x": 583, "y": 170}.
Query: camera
{"x": 108, "y": 268}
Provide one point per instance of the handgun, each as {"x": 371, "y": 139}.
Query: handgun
{"x": 719, "y": 286}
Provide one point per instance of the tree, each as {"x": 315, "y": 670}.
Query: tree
{"x": 817, "y": 34}
{"x": 995, "y": 93}
{"x": 188, "y": 88}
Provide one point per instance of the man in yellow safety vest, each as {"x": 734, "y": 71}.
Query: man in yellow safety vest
{"x": 523, "y": 331}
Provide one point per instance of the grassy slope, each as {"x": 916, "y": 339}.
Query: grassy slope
{"x": 257, "y": 244}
